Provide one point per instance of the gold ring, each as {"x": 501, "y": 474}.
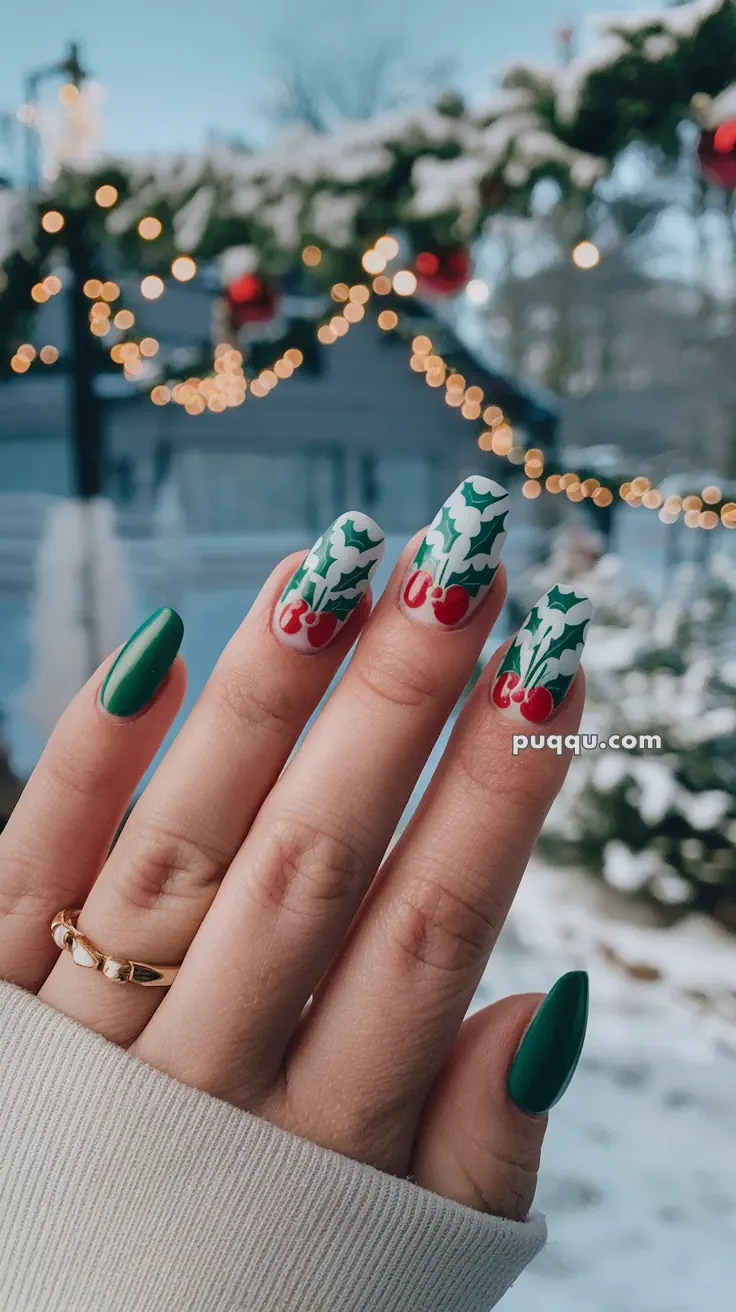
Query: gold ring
{"x": 84, "y": 953}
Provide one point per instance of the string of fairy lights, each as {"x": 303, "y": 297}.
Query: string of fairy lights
{"x": 226, "y": 386}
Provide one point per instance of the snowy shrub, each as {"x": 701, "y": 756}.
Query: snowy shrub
{"x": 658, "y": 824}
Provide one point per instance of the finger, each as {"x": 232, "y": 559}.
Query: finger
{"x": 480, "y": 1136}
{"x": 60, "y": 832}
{"x": 323, "y": 830}
{"x": 164, "y": 872}
{"x": 391, "y": 1005}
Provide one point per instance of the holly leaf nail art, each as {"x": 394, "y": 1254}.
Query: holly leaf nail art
{"x": 479, "y": 500}
{"x": 563, "y": 601}
{"x": 307, "y": 592}
{"x": 294, "y": 582}
{"x": 473, "y": 579}
{"x": 342, "y": 606}
{"x": 324, "y": 556}
{"x": 354, "y": 577}
{"x": 572, "y": 636}
{"x": 558, "y": 687}
{"x": 447, "y": 528}
{"x": 356, "y": 537}
{"x": 532, "y": 622}
{"x": 511, "y": 661}
{"x": 425, "y": 557}
{"x": 482, "y": 542}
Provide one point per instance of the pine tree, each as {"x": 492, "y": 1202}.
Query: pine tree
{"x": 659, "y": 824}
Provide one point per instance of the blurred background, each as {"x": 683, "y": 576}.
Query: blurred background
{"x": 255, "y": 270}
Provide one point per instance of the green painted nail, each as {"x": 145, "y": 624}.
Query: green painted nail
{"x": 143, "y": 664}
{"x": 550, "y": 1050}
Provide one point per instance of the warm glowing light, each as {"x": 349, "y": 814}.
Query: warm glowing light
{"x": 354, "y": 313}
{"x": 471, "y": 410}
{"x": 106, "y": 196}
{"x": 435, "y": 362}
{"x": 711, "y": 495}
{"x": 652, "y": 499}
{"x": 326, "y": 335}
{"x": 359, "y": 293}
{"x": 373, "y": 262}
{"x": 531, "y": 489}
{"x": 417, "y": 364}
{"x": 586, "y": 255}
{"x": 492, "y": 415}
{"x": 294, "y": 356}
{"x": 115, "y": 354}
{"x": 26, "y": 352}
{"x": 381, "y": 285}
{"x": 387, "y": 320}
{"x": 575, "y": 492}
{"x": 258, "y": 390}
{"x": 552, "y": 483}
{"x": 478, "y": 292}
{"x": 52, "y": 284}
{"x": 454, "y": 398}
{"x": 404, "y": 282}
{"x": 435, "y": 377}
{"x": 149, "y": 229}
{"x": 149, "y": 347}
{"x": 312, "y": 256}
{"x": 624, "y": 490}
{"x": 99, "y": 310}
{"x": 184, "y": 268}
{"x": 603, "y": 496}
{"x": 68, "y": 94}
{"x": 708, "y": 519}
{"x": 485, "y": 440}
{"x": 503, "y": 440}
{"x": 455, "y": 383}
{"x": 124, "y": 319}
{"x": 339, "y": 325}
{"x": 388, "y": 247}
{"x": 588, "y": 485}
{"x": 110, "y": 291}
{"x": 340, "y": 291}
{"x": 152, "y": 287}
{"x": 128, "y": 352}
{"x": 283, "y": 369}
{"x": 692, "y": 518}
{"x": 92, "y": 288}
{"x": 99, "y": 327}
{"x": 52, "y": 221}
{"x": 516, "y": 455}
{"x": 161, "y": 395}
{"x": 19, "y": 365}
{"x": 196, "y": 406}
{"x": 421, "y": 345}
{"x": 692, "y": 503}
{"x": 48, "y": 354}
{"x": 641, "y": 485}
{"x": 534, "y": 468}
{"x": 474, "y": 394}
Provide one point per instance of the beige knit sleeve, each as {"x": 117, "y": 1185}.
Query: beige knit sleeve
{"x": 123, "y": 1190}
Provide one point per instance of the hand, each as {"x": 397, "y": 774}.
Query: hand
{"x": 273, "y": 886}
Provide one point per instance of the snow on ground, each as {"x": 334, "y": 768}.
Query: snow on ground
{"x": 637, "y": 1179}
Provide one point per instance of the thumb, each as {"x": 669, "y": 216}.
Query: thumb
{"x": 480, "y": 1137}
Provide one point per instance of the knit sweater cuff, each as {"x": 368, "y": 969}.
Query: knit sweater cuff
{"x": 121, "y": 1188}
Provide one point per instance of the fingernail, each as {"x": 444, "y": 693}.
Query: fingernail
{"x": 550, "y": 1050}
{"x": 540, "y": 664}
{"x": 457, "y": 559}
{"x": 143, "y": 664}
{"x": 324, "y": 591}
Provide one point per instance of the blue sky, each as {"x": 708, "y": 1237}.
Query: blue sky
{"x": 173, "y": 71}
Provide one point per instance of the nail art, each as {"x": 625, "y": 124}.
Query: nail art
{"x": 324, "y": 591}
{"x": 143, "y": 664}
{"x": 540, "y": 664}
{"x": 457, "y": 559}
{"x": 550, "y": 1050}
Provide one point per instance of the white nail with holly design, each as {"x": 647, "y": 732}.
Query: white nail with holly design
{"x": 541, "y": 662}
{"x": 458, "y": 557}
{"x": 323, "y": 592}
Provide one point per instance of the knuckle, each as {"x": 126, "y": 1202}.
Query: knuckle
{"x": 254, "y": 700}
{"x": 509, "y": 1180}
{"x": 438, "y": 929}
{"x": 387, "y": 673}
{"x": 85, "y": 774}
{"x": 306, "y": 865}
{"x": 165, "y": 864}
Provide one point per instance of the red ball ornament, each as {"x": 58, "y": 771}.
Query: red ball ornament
{"x": 252, "y": 299}
{"x": 717, "y": 155}
{"x": 444, "y": 270}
